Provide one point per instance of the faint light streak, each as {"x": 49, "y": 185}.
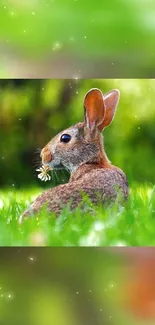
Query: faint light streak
{"x": 32, "y": 258}
{"x": 71, "y": 39}
{"x": 57, "y": 46}
{"x": 10, "y": 296}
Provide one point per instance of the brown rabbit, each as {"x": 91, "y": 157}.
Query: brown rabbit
{"x": 80, "y": 150}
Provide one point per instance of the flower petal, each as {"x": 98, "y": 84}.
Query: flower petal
{"x": 39, "y": 169}
{"x": 40, "y": 176}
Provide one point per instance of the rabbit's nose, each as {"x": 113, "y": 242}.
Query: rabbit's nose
{"x": 46, "y": 155}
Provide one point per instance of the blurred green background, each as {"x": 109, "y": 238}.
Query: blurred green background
{"x": 45, "y": 286}
{"x": 33, "y": 111}
{"x": 58, "y": 39}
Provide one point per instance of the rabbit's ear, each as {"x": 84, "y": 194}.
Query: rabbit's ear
{"x": 111, "y": 100}
{"x": 94, "y": 108}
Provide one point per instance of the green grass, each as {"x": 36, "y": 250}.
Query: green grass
{"x": 133, "y": 224}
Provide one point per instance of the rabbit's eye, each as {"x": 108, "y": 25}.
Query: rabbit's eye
{"x": 65, "y": 138}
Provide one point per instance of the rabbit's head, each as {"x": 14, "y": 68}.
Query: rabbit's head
{"x": 83, "y": 143}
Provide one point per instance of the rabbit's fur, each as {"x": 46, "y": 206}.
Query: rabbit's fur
{"x": 84, "y": 156}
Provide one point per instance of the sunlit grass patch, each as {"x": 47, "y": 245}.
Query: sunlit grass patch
{"x": 132, "y": 224}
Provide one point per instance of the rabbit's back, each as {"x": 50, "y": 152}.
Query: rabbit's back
{"x": 99, "y": 184}
{"x": 106, "y": 181}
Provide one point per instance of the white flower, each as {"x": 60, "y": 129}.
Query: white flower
{"x": 44, "y": 176}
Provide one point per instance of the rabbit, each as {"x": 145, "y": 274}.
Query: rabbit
{"x": 80, "y": 149}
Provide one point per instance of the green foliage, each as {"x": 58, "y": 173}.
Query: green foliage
{"x": 132, "y": 225}
{"x": 118, "y": 35}
{"x": 108, "y": 26}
